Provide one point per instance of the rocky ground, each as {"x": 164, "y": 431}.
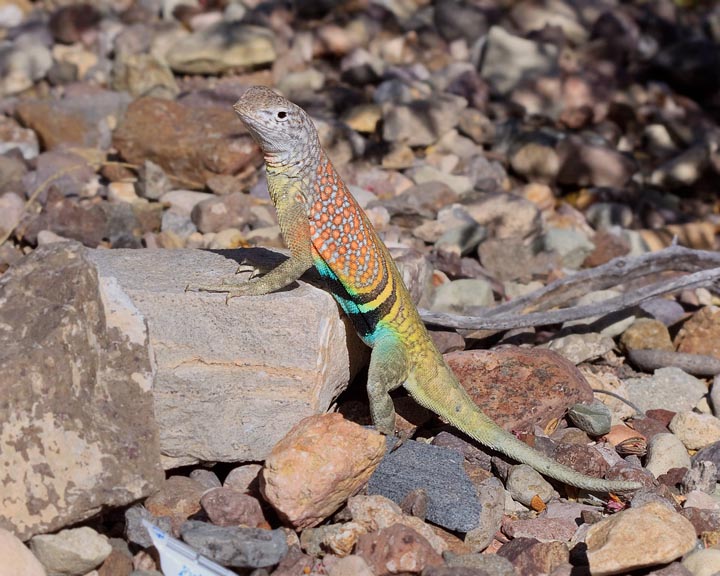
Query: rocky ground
{"x": 509, "y": 153}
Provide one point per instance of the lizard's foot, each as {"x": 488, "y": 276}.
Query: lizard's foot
{"x": 231, "y": 287}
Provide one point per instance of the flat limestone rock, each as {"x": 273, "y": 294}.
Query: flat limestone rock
{"x": 231, "y": 379}
{"x": 77, "y": 431}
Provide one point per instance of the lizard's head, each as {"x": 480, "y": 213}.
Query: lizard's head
{"x": 280, "y": 127}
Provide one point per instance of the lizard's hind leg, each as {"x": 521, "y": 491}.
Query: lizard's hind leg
{"x": 388, "y": 371}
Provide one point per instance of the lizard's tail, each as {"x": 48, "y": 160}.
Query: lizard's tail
{"x": 455, "y": 405}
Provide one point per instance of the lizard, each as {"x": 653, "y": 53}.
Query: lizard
{"x": 324, "y": 227}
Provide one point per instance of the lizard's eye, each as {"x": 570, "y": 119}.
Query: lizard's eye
{"x": 282, "y": 115}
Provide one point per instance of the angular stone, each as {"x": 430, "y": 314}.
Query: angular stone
{"x": 346, "y": 452}
{"x": 395, "y": 550}
{"x": 668, "y": 388}
{"x": 701, "y": 334}
{"x": 439, "y": 473}
{"x": 77, "y": 424}
{"x": 272, "y": 359}
{"x": 16, "y": 558}
{"x": 529, "y": 556}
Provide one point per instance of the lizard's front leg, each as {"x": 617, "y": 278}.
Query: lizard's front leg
{"x": 388, "y": 371}
{"x": 295, "y": 230}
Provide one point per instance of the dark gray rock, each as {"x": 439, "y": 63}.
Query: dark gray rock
{"x": 452, "y": 499}
{"x": 76, "y": 417}
{"x": 236, "y": 546}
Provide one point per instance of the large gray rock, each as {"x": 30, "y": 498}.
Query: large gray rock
{"x": 231, "y": 379}
{"x": 77, "y": 431}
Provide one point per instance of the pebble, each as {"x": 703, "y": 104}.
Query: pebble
{"x": 350, "y": 566}
{"x": 638, "y": 538}
{"x": 529, "y": 556}
{"x": 178, "y": 498}
{"x": 647, "y": 334}
{"x": 541, "y": 529}
{"x": 594, "y": 418}
{"x": 235, "y": 546}
{"x": 396, "y": 549}
{"x": 664, "y": 452}
{"x": 74, "y": 551}
{"x": 695, "y": 430}
{"x": 571, "y": 245}
{"x": 462, "y": 296}
{"x": 524, "y": 484}
{"x": 12, "y": 208}
{"x": 701, "y": 333}
{"x": 580, "y": 348}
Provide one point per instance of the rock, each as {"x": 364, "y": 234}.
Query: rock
{"x": 290, "y": 482}
{"x": 666, "y": 451}
{"x": 507, "y": 215}
{"x": 14, "y": 137}
{"x": 350, "y": 566}
{"x": 84, "y": 119}
{"x": 668, "y": 388}
{"x": 524, "y": 484}
{"x": 135, "y": 530}
{"x": 207, "y": 478}
{"x": 144, "y": 75}
{"x": 236, "y": 546}
{"x": 509, "y": 60}
{"x": 222, "y": 47}
{"x": 338, "y": 539}
{"x": 572, "y": 246}
{"x": 695, "y": 430}
{"x": 621, "y": 542}
{"x": 491, "y": 494}
{"x": 703, "y": 562}
{"x": 396, "y": 549}
{"x": 212, "y": 141}
{"x": 541, "y": 529}
{"x": 684, "y": 170}
{"x": 73, "y": 552}
{"x": 536, "y": 159}
{"x": 206, "y": 339}
{"x": 578, "y": 348}
{"x": 296, "y": 562}
{"x": 477, "y": 564}
{"x": 17, "y": 559}
{"x": 24, "y": 61}
{"x": 439, "y": 473}
{"x": 460, "y": 296}
{"x": 377, "y": 512}
{"x": 519, "y": 388}
{"x": 177, "y": 499}
{"x": 12, "y": 208}
{"x": 701, "y": 334}
{"x": 228, "y": 507}
{"x": 72, "y": 175}
{"x": 423, "y": 122}
{"x": 475, "y": 125}
{"x": 557, "y": 14}
{"x": 221, "y": 212}
{"x": 244, "y": 478}
{"x": 423, "y": 199}
{"x": 531, "y": 557}
{"x": 69, "y": 24}
{"x": 647, "y": 334}
{"x": 594, "y": 418}
{"x": 512, "y": 259}
{"x": 702, "y": 476}
{"x": 85, "y": 362}
{"x": 363, "y": 118}
{"x": 585, "y": 164}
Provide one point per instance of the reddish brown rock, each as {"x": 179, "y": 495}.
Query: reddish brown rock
{"x": 190, "y": 143}
{"x": 178, "y": 498}
{"x": 520, "y": 388}
{"x": 228, "y": 507}
{"x": 396, "y": 549}
{"x": 322, "y": 461}
{"x": 607, "y": 247}
{"x": 531, "y": 557}
{"x": 117, "y": 564}
{"x": 541, "y": 529}
{"x": 584, "y": 459}
{"x": 223, "y": 212}
{"x": 701, "y": 334}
